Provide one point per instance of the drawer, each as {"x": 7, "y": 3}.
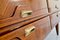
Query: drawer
{"x": 52, "y": 5}
{"x": 54, "y": 19}
{"x": 21, "y": 34}
{"x": 24, "y": 10}
{"x": 29, "y": 12}
{"x": 43, "y": 28}
{"x": 38, "y": 4}
{"x": 28, "y": 9}
{"x": 39, "y": 31}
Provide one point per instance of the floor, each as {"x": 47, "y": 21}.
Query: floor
{"x": 52, "y": 35}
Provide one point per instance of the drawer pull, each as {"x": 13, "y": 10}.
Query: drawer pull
{"x": 29, "y": 30}
{"x": 26, "y": 13}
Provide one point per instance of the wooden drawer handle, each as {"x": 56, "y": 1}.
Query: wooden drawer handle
{"x": 26, "y": 13}
{"x": 29, "y": 30}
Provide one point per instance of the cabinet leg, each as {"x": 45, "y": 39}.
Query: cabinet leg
{"x": 57, "y": 29}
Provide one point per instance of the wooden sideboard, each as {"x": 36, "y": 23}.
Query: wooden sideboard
{"x": 28, "y": 19}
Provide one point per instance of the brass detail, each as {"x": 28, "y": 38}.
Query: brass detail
{"x": 26, "y": 13}
{"x": 29, "y": 30}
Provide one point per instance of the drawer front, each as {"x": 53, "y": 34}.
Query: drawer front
{"x": 34, "y": 31}
{"x": 43, "y": 28}
{"x": 52, "y": 4}
{"x": 3, "y": 5}
{"x": 7, "y": 9}
{"x": 42, "y": 12}
{"x": 25, "y": 33}
{"x": 24, "y": 10}
{"x": 38, "y": 4}
{"x": 19, "y": 12}
{"x": 10, "y": 8}
{"x": 54, "y": 19}
{"x": 27, "y": 6}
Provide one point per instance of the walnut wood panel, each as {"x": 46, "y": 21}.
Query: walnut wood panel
{"x": 38, "y": 4}
{"x": 34, "y": 13}
{"x": 3, "y": 5}
{"x": 9, "y": 10}
{"x": 23, "y": 5}
{"x": 8, "y": 7}
{"x": 27, "y": 5}
{"x": 42, "y": 29}
{"x": 20, "y": 33}
{"x": 54, "y": 19}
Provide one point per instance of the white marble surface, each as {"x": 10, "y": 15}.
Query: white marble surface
{"x": 53, "y": 36}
